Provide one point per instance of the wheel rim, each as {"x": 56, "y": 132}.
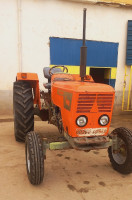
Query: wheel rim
{"x": 28, "y": 161}
{"x": 120, "y": 156}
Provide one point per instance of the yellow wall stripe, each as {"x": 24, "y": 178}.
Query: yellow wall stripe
{"x": 113, "y": 72}
{"x": 115, "y": 1}
{"x": 110, "y": 72}
{"x": 75, "y": 69}
{"x": 120, "y": 2}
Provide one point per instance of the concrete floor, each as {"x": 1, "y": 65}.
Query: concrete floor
{"x": 69, "y": 174}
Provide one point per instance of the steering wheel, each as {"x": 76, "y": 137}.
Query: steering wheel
{"x": 64, "y": 69}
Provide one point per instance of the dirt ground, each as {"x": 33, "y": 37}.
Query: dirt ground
{"x": 69, "y": 174}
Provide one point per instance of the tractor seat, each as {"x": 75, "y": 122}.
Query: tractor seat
{"x": 48, "y": 76}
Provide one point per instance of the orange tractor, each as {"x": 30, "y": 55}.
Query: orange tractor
{"x": 79, "y": 107}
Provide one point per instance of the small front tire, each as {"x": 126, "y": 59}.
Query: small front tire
{"x": 34, "y": 158}
{"x": 121, "y": 159}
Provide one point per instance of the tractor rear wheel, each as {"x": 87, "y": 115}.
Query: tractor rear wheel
{"x": 23, "y": 110}
{"x": 34, "y": 158}
{"x": 121, "y": 159}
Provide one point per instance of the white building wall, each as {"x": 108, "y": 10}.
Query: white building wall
{"x": 41, "y": 19}
{"x": 8, "y": 43}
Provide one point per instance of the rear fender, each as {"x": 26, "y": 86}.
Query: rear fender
{"x": 32, "y": 78}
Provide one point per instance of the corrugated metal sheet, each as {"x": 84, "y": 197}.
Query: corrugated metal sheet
{"x": 129, "y": 43}
{"x": 99, "y": 54}
{"x": 67, "y": 52}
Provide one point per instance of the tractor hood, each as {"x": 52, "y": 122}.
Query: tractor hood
{"x": 78, "y": 86}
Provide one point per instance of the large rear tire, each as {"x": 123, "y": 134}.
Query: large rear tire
{"x": 121, "y": 159}
{"x": 34, "y": 158}
{"x": 23, "y": 110}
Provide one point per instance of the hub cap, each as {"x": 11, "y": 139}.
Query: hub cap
{"x": 120, "y": 155}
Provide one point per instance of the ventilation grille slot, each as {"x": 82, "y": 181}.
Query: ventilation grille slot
{"x": 85, "y": 102}
{"x": 104, "y": 102}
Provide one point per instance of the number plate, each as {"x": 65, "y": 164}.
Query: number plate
{"x": 91, "y": 132}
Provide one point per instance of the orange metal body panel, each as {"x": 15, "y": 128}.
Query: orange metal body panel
{"x": 66, "y": 95}
{"x": 32, "y": 78}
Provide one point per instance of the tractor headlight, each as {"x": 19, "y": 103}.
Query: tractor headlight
{"x": 103, "y": 120}
{"x": 81, "y": 121}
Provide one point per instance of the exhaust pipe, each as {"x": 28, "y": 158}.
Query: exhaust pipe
{"x": 83, "y": 55}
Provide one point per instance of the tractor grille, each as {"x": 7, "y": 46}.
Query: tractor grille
{"x": 86, "y": 101}
{"x": 104, "y": 102}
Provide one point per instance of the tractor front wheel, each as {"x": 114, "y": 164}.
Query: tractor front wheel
{"x": 121, "y": 159}
{"x": 34, "y": 158}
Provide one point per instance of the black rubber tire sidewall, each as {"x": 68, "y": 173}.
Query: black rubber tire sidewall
{"x": 126, "y": 135}
{"x": 35, "y": 148}
{"x": 21, "y": 123}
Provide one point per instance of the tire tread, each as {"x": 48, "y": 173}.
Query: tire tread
{"x": 34, "y": 145}
{"x": 126, "y": 135}
{"x": 23, "y": 110}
